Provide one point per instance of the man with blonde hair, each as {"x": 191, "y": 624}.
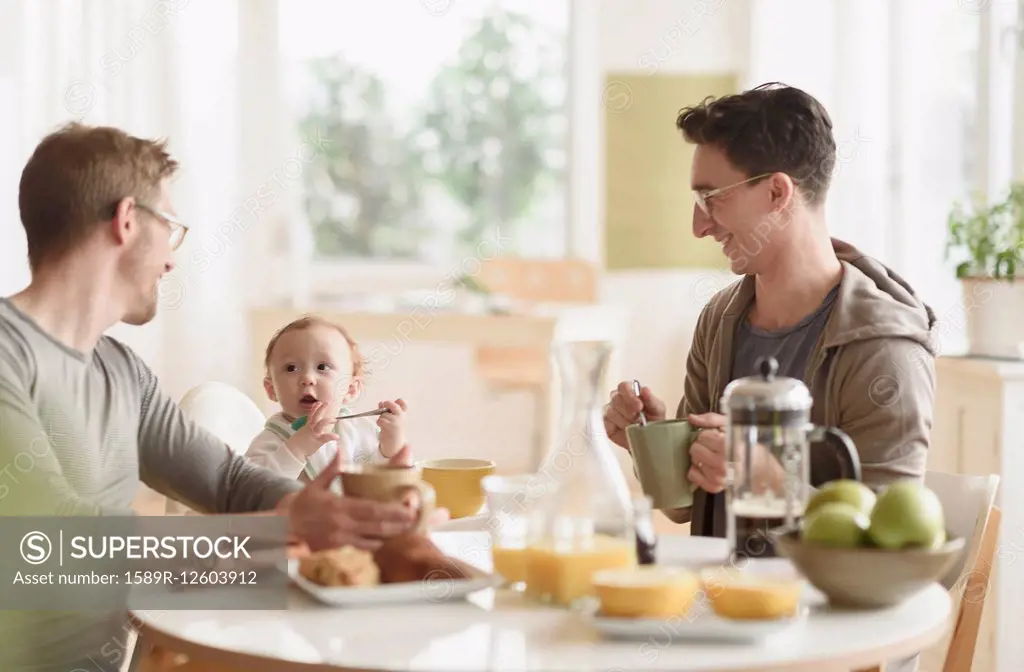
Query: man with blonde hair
{"x": 102, "y": 230}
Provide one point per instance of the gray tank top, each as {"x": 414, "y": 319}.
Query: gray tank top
{"x": 791, "y": 347}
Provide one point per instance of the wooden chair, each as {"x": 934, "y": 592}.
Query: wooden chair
{"x": 964, "y": 640}
{"x": 530, "y": 281}
{"x": 541, "y": 280}
{"x": 969, "y": 506}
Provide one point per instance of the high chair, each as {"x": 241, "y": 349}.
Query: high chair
{"x": 227, "y": 413}
{"x": 233, "y": 417}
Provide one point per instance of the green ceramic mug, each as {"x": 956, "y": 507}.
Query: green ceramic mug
{"x": 661, "y": 461}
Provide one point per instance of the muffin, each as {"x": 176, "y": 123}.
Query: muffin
{"x": 736, "y": 594}
{"x": 645, "y": 591}
{"x": 345, "y": 566}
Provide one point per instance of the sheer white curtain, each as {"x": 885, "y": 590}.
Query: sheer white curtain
{"x": 279, "y": 249}
{"x": 95, "y": 61}
{"x": 921, "y": 97}
{"x": 155, "y": 68}
{"x": 13, "y": 269}
{"x": 1018, "y": 97}
{"x": 837, "y": 51}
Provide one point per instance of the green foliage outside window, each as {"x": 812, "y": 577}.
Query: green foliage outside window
{"x": 484, "y": 148}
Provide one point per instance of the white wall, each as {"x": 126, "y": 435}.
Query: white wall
{"x": 652, "y": 36}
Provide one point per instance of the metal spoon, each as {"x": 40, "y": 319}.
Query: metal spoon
{"x": 636, "y": 391}
{"x": 300, "y": 422}
{"x": 376, "y": 411}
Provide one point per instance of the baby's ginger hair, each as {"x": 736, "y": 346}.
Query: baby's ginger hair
{"x": 305, "y": 322}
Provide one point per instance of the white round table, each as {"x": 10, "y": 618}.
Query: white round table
{"x": 499, "y": 630}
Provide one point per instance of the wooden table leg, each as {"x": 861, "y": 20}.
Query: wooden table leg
{"x": 148, "y": 658}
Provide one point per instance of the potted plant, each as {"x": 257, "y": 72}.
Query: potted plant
{"x": 988, "y": 243}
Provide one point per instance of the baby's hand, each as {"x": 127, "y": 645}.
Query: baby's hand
{"x": 392, "y": 427}
{"x": 316, "y": 432}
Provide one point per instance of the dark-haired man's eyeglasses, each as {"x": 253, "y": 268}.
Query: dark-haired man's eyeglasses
{"x": 178, "y": 229}
{"x": 700, "y": 197}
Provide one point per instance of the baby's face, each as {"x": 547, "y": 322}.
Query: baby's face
{"x": 311, "y": 365}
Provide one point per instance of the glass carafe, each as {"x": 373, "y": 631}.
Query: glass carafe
{"x": 583, "y": 520}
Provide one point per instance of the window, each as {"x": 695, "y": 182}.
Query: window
{"x": 440, "y": 122}
{"x": 938, "y": 109}
{"x": 921, "y": 97}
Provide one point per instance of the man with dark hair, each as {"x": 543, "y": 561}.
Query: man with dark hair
{"x": 842, "y": 322}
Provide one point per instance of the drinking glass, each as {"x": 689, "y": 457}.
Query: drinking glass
{"x": 509, "y": 502}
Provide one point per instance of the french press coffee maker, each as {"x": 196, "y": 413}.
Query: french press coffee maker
{"x": 772, "y": 450}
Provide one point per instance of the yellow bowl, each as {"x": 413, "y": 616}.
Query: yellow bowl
{"x": 645, "y": 591}
{"x": 737, "y": 594}
{"x": 456, "y": 482}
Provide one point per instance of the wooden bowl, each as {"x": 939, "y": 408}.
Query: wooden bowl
{"x": 870, "y": 578}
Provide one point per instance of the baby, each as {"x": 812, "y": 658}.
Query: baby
{"x": 314, "y": 369}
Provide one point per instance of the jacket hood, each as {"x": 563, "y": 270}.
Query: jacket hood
{"x": 875, "y": 302}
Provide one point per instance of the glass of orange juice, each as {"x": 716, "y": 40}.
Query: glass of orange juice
{"x": 509, "y": 501}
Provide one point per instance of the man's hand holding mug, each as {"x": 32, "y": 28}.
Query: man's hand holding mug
{"x": 624, "y": 410}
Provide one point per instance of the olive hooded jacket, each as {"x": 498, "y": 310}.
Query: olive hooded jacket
{"x": 871, "y": 375}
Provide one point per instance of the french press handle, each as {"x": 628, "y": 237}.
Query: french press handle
{"x": 842, "y": 445}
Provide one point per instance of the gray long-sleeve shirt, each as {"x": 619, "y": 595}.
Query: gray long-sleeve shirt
{"x": 78, "y": 432}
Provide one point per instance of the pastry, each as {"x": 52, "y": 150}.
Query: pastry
{"x": 647, "y": 591}
{"x": 414, "y": 557}
{"x": 345, "y": 566}
{"x": 750, "y": 596}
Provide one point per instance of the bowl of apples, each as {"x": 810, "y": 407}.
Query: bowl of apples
{"x": 863, "y": 550}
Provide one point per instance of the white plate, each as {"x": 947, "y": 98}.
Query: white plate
{"x": 699, "y": 624}
{"x": 477, "y": 523}
{"x": 430, "y": 591}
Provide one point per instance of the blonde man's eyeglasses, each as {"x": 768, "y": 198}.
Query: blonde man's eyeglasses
{"x": 701, "y": 197}
{"x": 178, "y": 228}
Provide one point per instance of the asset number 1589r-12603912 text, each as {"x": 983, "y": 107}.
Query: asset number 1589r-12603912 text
{"x": 192, "y": 577}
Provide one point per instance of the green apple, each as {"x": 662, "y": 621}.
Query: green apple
{"x": 843, "y": 490}
{"x": 836, "y": 524}
{"x": 907, "y": 514}
{"x": 938, "y": 540}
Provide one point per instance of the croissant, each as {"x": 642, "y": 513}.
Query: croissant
{"x": 414, "y": 557}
